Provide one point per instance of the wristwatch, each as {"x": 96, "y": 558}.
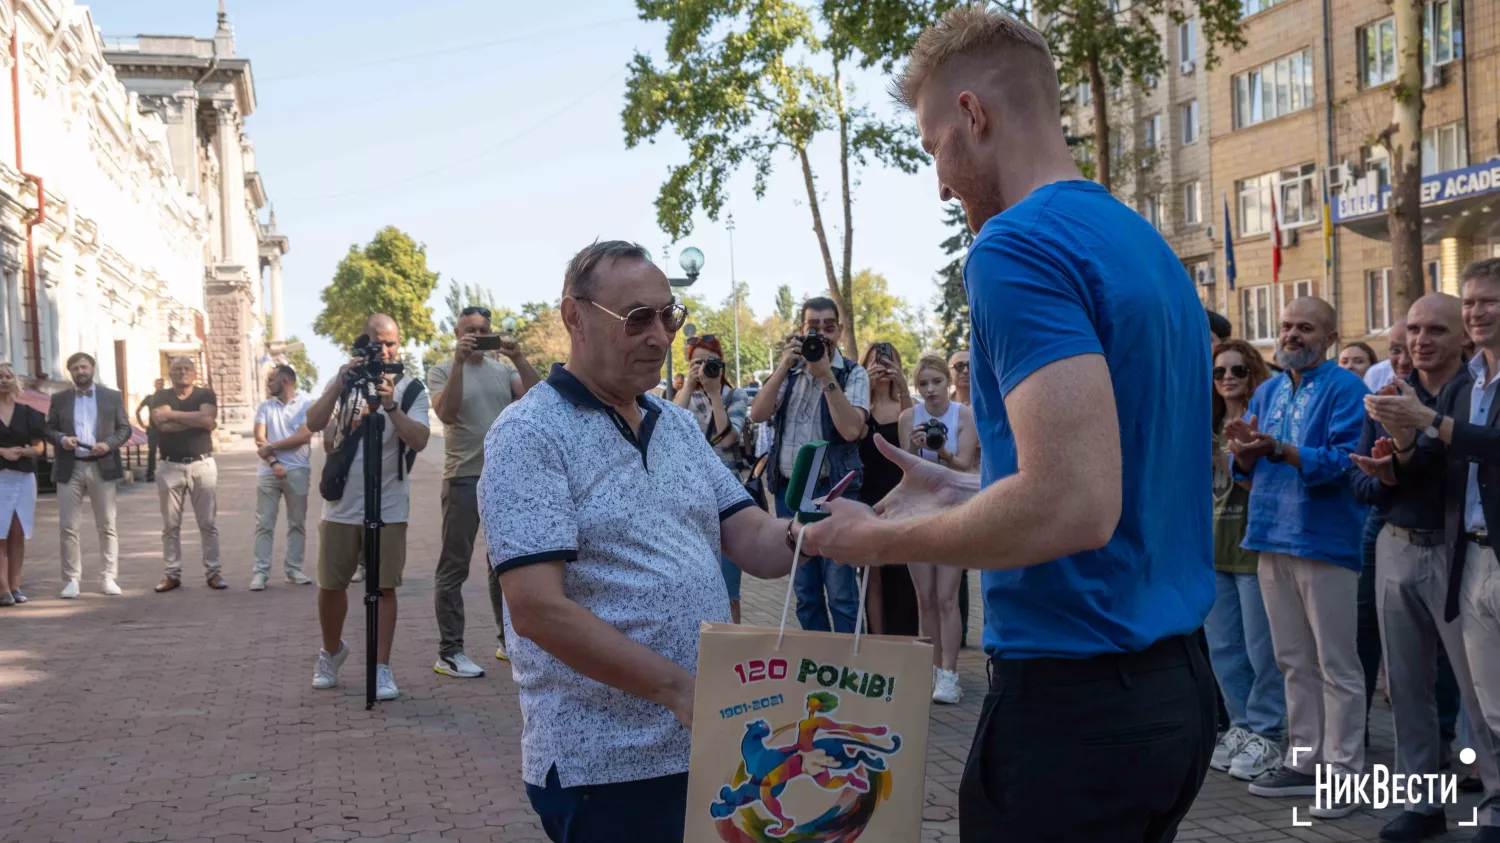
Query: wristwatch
{"x": 1278, "y": 453}
{"x": 1432, "y": 429}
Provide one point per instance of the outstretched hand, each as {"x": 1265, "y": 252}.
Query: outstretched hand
{"x": 925, "y": 487}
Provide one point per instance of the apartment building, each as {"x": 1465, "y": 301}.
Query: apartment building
{"x": 1302, "y": 106}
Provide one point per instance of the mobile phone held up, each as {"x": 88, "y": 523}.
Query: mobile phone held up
{"x": 487, "y": 342}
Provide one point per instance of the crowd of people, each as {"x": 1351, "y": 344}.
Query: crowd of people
{"x": 1335, "y": 530}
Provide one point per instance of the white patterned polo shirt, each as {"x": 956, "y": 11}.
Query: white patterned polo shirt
{"x": 636, "y": 520}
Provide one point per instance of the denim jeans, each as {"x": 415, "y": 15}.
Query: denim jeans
{"x": 818, "y": 576}
{"x": 643, "y": 811}
{"x": 1239, "y": 646}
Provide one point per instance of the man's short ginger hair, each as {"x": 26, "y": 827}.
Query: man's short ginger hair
{"x": 970, "y": 31}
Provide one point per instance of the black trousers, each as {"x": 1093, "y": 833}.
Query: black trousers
{"x": 153, "y": 444}
{"x": 1108, "y": 750}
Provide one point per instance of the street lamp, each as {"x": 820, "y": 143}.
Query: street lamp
{"x": 691, "y": 261}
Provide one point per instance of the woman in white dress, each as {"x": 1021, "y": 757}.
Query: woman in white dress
{"x": 954, "y": 444}
{"x": 21, "y": 429}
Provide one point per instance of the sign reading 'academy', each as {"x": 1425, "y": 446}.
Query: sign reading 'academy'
{"x": 1366, "y": 197}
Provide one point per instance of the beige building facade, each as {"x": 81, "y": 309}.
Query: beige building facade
{"x": 1297, "y": 110}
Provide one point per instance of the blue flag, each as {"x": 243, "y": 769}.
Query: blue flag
{"x": 1228, "y": 246}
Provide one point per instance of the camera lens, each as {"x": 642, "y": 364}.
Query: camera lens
{"x": 713, "y": 368}
{"x": 937, "y": 435}
{"x": 814, "y": 347}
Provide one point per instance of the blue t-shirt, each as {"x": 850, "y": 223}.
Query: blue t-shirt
{"x": 1070, "y": 271}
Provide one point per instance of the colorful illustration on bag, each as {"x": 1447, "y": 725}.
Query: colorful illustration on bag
{"x": 825, "y": 753}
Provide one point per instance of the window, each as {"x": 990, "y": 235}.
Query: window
{"x": 1151, "y": 210}
{"x": 1378, "y": 299}
{"x": 1191, "y": 210}
{"x": 1379, "y": 160}
{"x": 1378, "y": 52}
{"x": 1251, "y": 7}
{"x": 1255, "y": 204}
{"x": 1297, "y": 202}
{"x": 1273, "y": 90}
{"x": 1291, "y": 290}
{"x": 1187, "y": 40}
{"x": 1188, "y": 116}
{"x": 1255, "y": 309}
{"x": 1442, "y": 42}
{"x": 1443, "y": 149}
{"x": 1150, "y": 81}
{"x": 1085, "y": 96}
{"x": 1151, "y": 131}
{"x": 1117, "y": 146}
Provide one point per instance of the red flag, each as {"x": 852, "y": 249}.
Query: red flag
{"x": 1275, "y": 241}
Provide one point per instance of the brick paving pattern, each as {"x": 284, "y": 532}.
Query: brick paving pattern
{"x": 189, "y": 716}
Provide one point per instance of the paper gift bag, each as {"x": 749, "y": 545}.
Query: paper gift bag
{"x": 808, "y": 737}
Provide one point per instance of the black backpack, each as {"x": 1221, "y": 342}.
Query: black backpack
{"x": 336, "y": 469}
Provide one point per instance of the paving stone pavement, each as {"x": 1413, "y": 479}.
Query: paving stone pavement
{"x": 189, "y": 716}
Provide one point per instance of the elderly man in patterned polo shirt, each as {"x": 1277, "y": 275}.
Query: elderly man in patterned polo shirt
{"x": 605, "y": 510}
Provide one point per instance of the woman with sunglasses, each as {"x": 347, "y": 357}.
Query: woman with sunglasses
{"x": 721, "y": 411}
{"x": 890, "y": 597}
{"x": 1238, "y": 631}
{"x": 958, "y": 366}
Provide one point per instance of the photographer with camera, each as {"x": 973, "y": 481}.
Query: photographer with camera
{"x": 468, "y": 394}
{"x": 817, "y": 394}
{"x": 720, "y": 410}
{"x": 402, "y": 408}
{"x": 940, "y": 430}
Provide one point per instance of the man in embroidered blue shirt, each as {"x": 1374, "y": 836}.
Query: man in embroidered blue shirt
{"x": 1293, "y": 447}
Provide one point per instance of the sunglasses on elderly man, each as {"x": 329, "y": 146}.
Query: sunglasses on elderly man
{"x": 470, "y": 311}
{"x": 1239, "y": 371}
{"x": 639, "y": 320}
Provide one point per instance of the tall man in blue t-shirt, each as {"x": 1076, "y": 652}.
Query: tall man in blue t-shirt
{"x": 1090, "y": 380}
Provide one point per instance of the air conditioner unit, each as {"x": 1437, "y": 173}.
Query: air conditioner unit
{"x": 1432, "y": 77}
{"x": 1341, "y": 175}
{"x": 1290, "y": 237}
{"x": 1203, "y": 273}
{"x": 1187, "y": 67}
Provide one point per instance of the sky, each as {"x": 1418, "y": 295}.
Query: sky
{"x": 491, "y": 133}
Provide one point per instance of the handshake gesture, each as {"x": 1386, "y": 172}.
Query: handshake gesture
{"x": 853, "y": 532}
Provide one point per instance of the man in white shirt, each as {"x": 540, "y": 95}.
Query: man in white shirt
{"x": 341, "y": 535}
{"x": 282, "y": 440}
{"x": 1399, "y": 365}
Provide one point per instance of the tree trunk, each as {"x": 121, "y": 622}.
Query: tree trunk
{"x": 851, "y": 339}
{"x": 1404, "y": 217}
{"x": 1101, "y": 123}
{"x": 817, "y": 215}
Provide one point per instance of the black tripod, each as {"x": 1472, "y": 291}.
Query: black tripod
{"x": 373, "y": 432}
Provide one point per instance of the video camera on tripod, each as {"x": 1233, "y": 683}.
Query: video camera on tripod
{"x": 371, "y": 369}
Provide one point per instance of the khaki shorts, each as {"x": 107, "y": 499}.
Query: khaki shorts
{"x": 341, "y": 550}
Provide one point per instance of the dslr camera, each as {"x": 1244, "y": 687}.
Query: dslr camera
{"x": 814, "y": 347}
{"x": 372, "y": 367}
{"x": 713, "y": 368}
{"x": 937, "y": 434}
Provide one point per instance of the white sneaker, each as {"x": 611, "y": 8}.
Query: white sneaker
{"x": 298, "y": 578}
{"x": 359, "y": 574}
{"x": 111, "y": 587}
{"x": 1228, "y": 747}
{"x": 326, "y": 674}
{"x": 258, "y": 582}
{"x": 385, "y": 683}
{"x": 70, "y": 590}
{"x": 1256, "y": 757}
{"x": 458, "y": 665}
{"x": 948, "y": 691}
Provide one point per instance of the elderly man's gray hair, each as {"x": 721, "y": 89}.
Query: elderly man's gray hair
{"x": 579, "y": 279}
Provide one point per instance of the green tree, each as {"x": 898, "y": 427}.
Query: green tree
{"x": 389, "y": 275}
{"x": 1105, "y": 43}
{"x": 307, "y": 372}
{"x": 786, "y": 306}
{"x": 542, "y": 335}
{"x": 751, "y": 82}
{"x": 886, "y": 317}
{"x": 952, "y": 300}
